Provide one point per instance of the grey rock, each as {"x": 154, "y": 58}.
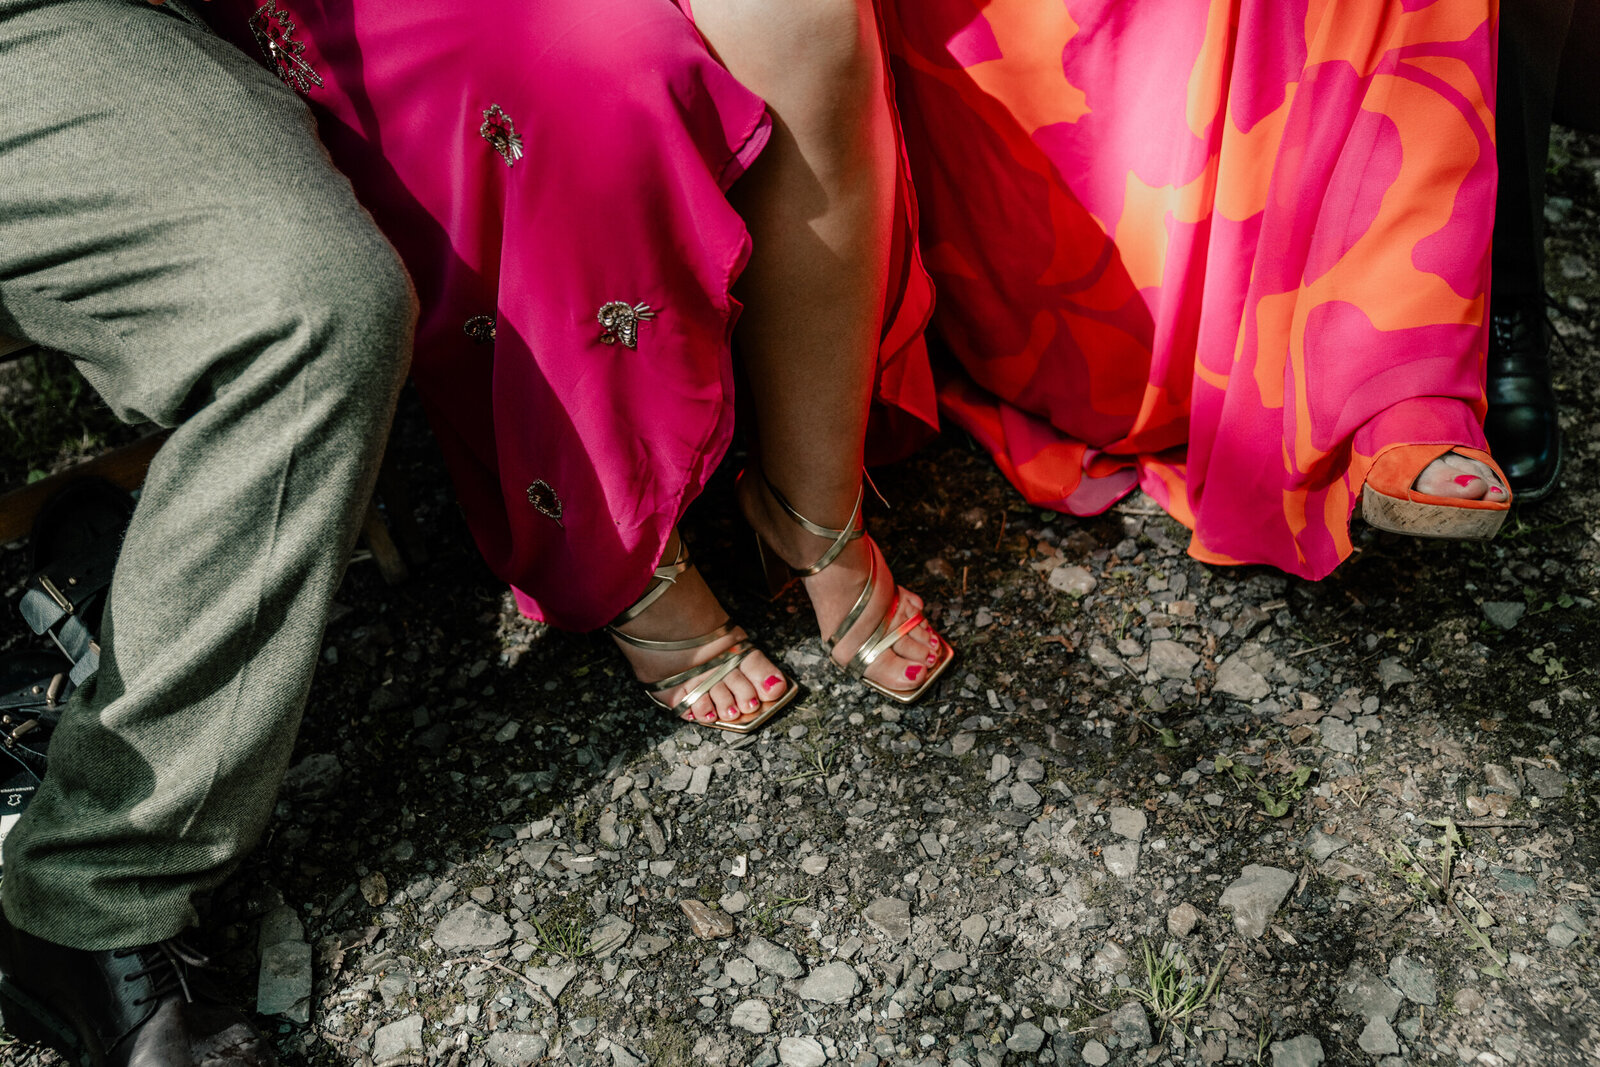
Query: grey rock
{"x": 1181, "y": 920}
{"x": 1561, "y": 935}
{"x": 948, "y": 960}
{"x": 1025, "y": 1038}
{"x": 1546, "y": 784}
{"x": 283, "y": 985}
{"x": 470, "y": 927}
{"x": 1024, "y": 796}
{"x": 1256, "y": 896}
{"x": 313, "y": 778}
{"x": 1030, "y": 770}
{"x": 1128, "y": 822}
{"x": 974, "y": 927}
{"x": 1131, "y": 1025}
{"x": 515, "y": 1050}
{"x": 1391, "y": 672}
{"x": 814, "y": 865}
{"x": 1074, "y": 581}
{"x": 1415, "y": 981}
{"x": 774, "y": 959}
{"x": 963, "y": 743}
{"x": 1378, "y": 1039}
{"x": 801, "y": 1052}
{"x": 1238, "y": 679}
{"x": 1121, "y": 859}
{"x": 280, "y": 924}
{"x": 621, "y": 1057}
{"x": 553, "y": 979}
{"x": 1504, "y": 613}
{"x": 999, "y": 767}
{"x": 890, "y": 916}
{"x": 398, "y": 1043}
{"x": 608, "y": 935}
{"x": 1338, "y": 736}
{"x": 1365, "y": 994}
{"x": 741, "y": 971}
{"x": 751, "y": 1015}
{"x": 1501, "y": 780}
{"x": 1319, "y": 846}
{"x": 833, "y": 983}
{"x": 1302, "y": 1051}
{"x": 1095, "y": 1054}
{"x": 1169, "y": 659}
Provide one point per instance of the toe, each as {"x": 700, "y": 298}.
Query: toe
{"x": 766, "y": 680}
{"x": 723, "y": 698}
{"x": 745, "y": 699}
{"x": 702, "y": 711}
{"x": 1456, "y": 476}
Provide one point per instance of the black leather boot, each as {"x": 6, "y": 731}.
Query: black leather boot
{"x": 1523, "y": 430}
{"x": 139, "y": 1007}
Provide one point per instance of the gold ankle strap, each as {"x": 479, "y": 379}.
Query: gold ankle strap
{"x": 853, "y": 530}
{"x": 665, "y": 575}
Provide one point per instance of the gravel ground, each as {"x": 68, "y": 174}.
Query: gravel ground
{"x": 1158, "y": 812}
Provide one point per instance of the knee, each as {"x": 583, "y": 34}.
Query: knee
{"x": 349, "y": 307}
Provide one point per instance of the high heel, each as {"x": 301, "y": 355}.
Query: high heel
{"x": 1388, "y": 501}
{"x": 711, "y": 672}
{"x": 780, "y": 575}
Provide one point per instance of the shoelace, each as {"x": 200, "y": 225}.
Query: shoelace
{"x": 168, "y": 963}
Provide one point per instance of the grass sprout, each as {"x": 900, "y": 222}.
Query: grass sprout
{"x": 1176, "y": 991}
{"x": 559, "y": 937}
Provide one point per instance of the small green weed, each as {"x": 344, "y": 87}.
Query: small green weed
{"x": 1175, "y": 991}
{"x": 560, "y": 937}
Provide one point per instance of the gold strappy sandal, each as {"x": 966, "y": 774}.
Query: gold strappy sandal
{"x": 714, "y": 670}
{"x": 780, "y": 575}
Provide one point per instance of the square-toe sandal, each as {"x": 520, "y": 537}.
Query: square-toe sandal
{"x": 779, "y": 576}
{"x": 714, "y": 670}
{"x": 1389, "y": 503}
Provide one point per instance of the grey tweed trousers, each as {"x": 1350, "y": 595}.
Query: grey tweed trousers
{"x": 168, "y": 219}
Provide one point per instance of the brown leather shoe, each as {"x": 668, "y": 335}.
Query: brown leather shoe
{"x": 138, "y": 1007}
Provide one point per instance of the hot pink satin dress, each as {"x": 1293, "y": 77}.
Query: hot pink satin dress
{"x": 555, "y": 176}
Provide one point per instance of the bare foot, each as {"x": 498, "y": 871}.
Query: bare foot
{"x": 687, "y": 609}
{"x": 835, "y": 590}
{"x": 1454, "y": 475}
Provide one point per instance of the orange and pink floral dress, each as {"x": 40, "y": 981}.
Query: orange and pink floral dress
{"x": 1228, "y": 251}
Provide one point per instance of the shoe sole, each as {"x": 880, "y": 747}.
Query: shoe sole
{"x": 911, "y": 696}
{"x": 1538, "y": 493}
{"x": 1435, "y": 521}
{"x": 30, "y": 1022}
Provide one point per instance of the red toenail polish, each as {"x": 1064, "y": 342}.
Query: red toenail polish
{"x": 754, "y": 703}
{"x": 1466, "y": 479}
{"x": 770, "y": 682}
{"x": 912, "y": 672}
{"x": 1496, "y": 489}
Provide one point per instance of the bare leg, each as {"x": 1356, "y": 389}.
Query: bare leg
{"x": 819, "y": 204}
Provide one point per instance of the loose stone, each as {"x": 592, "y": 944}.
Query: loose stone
{"x": 801, "y": 1052}
{"x": 707, "y": 923}
{"x": 751, "y": 1015}
{"x": 1256, "y": 896}
{"x": 833, "y": 983}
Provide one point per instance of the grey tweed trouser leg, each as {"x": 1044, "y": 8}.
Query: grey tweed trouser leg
{"x": 168, "y": 219}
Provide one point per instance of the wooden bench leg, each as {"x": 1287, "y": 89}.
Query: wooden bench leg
{"x": 391, "y": 564}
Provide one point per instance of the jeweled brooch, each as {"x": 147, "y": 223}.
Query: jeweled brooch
{"x": 501, "y": 133}
{"x": 620, "y": 321}
{"x": 481, "y": 328}
{"x": 544, "y": 500}
{"x": 274, "y": 33}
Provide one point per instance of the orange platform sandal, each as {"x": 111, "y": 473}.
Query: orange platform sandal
{"x": 1388, "y": 501}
